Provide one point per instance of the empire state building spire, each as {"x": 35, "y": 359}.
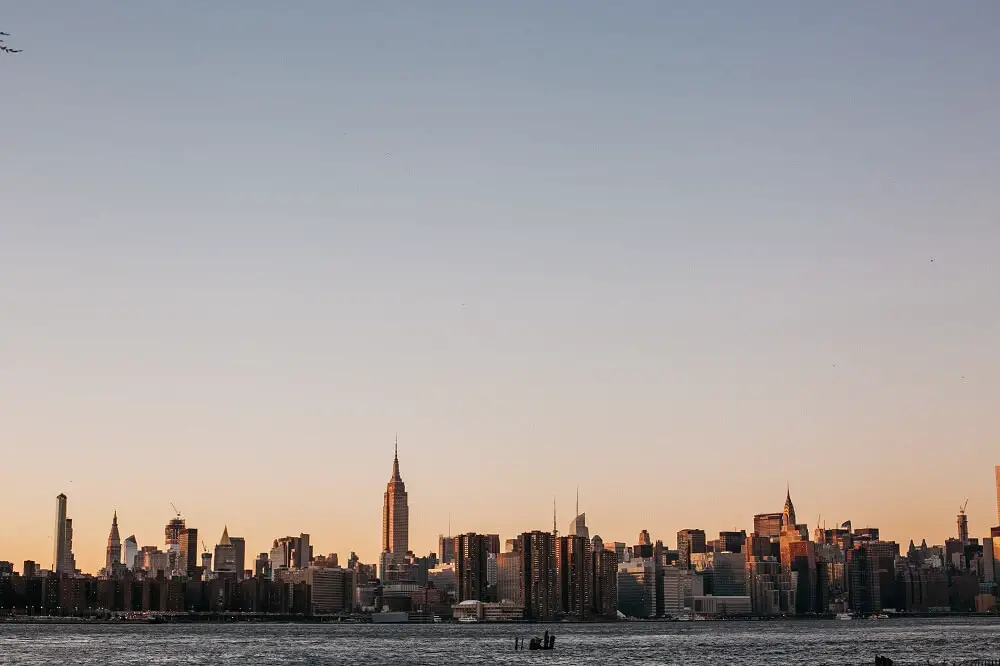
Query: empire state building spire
{"x": 395, "y": 512}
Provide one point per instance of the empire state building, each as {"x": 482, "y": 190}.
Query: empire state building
{"x": 395, "y": 515}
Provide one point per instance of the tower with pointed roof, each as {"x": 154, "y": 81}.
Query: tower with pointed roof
{"x": 113, "y": 558}
{"x": 788, "y": 515}
{"x": 395, "y": 513}
{"x": 225, "y": 554}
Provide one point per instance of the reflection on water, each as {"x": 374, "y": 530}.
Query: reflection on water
{"x": 789, "y": 642}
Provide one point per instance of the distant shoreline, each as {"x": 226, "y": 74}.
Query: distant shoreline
{"x": 271, "y": 619}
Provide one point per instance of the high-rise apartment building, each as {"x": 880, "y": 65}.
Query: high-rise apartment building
{"x": 471, "y": 555}
{"x": 574, "y": 575}
{"x": 604, "y": 590}
{"x": 396, "y": 515}
{"x": 62, "y": 558}
{"x": 113, "y": 557}
{"x": 689, "y": 541}
{"x": 538, "y": 569}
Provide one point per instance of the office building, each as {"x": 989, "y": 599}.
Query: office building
{"x": 689, "y": 541}
{"x": 395, "y": 515}
{"x": 768, "y": 524}
{"x": 996, "y": 472}
{"x": 446, "y": 549}
{"x": 678, "y": 586}
{"x": 510, "y": 578}
{"x": 187, "y": 554}
{"x": 731, "y": 542}
{"x": 131, "y": 550}
{"x": 637, "y": 589}
{"x": 239, "y": 556}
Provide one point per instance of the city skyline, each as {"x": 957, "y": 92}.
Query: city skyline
{"x": 675, "y": 255}
{"x": 114, "y": 550}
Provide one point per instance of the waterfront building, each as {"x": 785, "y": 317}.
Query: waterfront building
{"x": 637, "y": 589}
{"x": 471, "y": 563}
{"x": 677, "y": 587}
{"x": 863, "y": 581}
{"x": 538, "y": 568}
{"x": 574, "y": 575}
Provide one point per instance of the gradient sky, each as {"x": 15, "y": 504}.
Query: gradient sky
{"x": 673, "y": 253}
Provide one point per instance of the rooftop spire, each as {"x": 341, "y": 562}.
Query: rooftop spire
{"x": 225, "y": 541}
{"x": 395, "y": 463}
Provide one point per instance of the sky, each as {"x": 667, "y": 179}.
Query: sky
{"x": 675, "y": 255}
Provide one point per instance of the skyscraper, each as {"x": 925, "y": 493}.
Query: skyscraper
{"x": 225, "y": 557}
{"x": 767, "y": 524}
{"x": 471, "y": 555}
{"x": 788, "y": 515}
{"x": 62, "y": 558}
{"x": 187, "y": 555}
{"x": 131, "y": 550}
{"x": 239, "y": 555}
{"x": 538, "y": 570}
{"x": 578, "y": 526}
{"x": 113, "y": 558}
{"x": 689, "y": 541}
{"x": 446, "y": 549}
{"x": 395, "y": 514}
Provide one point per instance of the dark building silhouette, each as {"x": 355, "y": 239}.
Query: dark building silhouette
{"x": 689, "y": 541}
{"x": 471, "y": 555}
{"x": 574, "y": 575}
{"x": 538, "y": 568}
{"x": 864, "y": 593}
{"x": 604, "y": 595}
{"x": 732, "y": 542}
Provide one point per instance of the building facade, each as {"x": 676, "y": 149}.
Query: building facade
{"x": 395, "y": 515}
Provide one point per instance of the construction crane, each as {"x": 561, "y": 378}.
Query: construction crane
{"x": 961, "y": 511}
{"x": 175, "y": 509}
{"x": 204, "y": 546}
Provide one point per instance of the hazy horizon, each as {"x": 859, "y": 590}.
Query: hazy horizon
{"x": 674, "y": 254}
